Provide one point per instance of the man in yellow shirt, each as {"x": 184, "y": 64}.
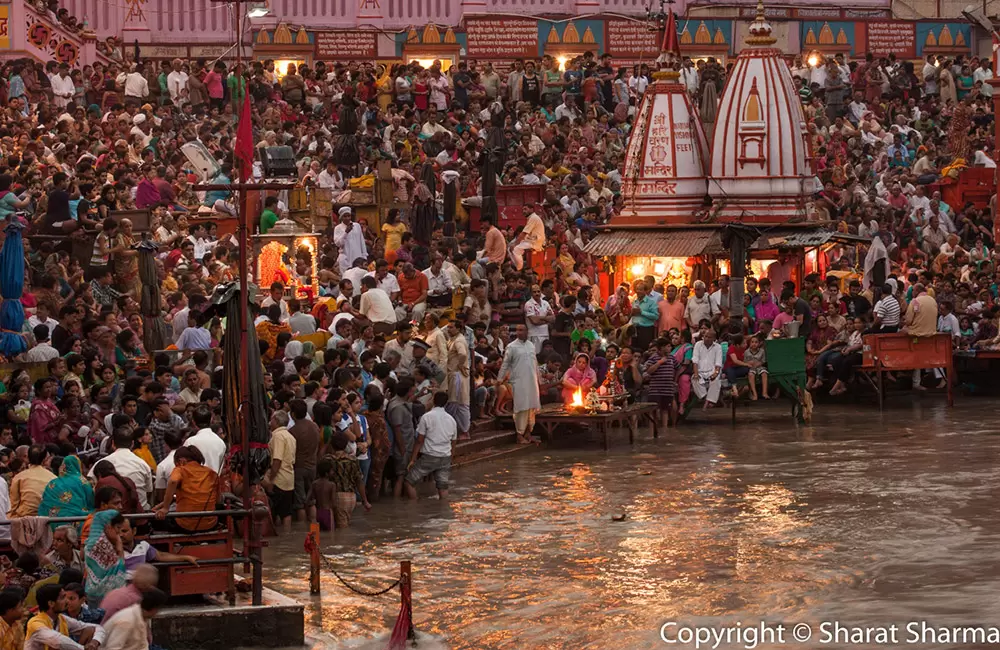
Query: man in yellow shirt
{"x": 51, "y": 629}
{"x": 11, "y": 613}
{"x": 280, "y": 478}
{"x": 27, "y": 487}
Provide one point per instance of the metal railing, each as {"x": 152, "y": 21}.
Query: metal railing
{"x": 254, "y": 558}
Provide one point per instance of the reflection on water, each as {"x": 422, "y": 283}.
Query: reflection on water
{"x": 858, "y": 518}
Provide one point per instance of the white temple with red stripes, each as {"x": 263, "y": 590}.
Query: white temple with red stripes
{"x": 667, "y": 158}
{"x": 681, "y": 189}
{"x": 760, "y": 171}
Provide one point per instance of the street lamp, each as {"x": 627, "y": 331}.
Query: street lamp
{"x": 258, "y": 10}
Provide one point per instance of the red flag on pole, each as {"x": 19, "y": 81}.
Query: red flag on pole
{"x": 244, "y": 141}
{"x": 671, "y": 44}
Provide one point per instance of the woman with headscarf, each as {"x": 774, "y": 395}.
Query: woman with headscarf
{"x": 69, "y": 495}
{"x": 579, "y": 376}
{"x": 104, "y": 556}
{"x": 293, "y": 350}
{"x": 618, "y": 308}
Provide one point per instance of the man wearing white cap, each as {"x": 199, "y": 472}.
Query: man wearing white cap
{"x": 140, "y": 127}
{"x": 349, "y": 240}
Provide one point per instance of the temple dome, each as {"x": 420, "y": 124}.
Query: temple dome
{"x": 760, "y": 164}
{"x": 664, "y": 181}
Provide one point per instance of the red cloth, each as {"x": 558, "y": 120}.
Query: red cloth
{"x": 244, "y": 141}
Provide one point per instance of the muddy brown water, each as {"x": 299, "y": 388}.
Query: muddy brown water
{"x": 857, "y": 519}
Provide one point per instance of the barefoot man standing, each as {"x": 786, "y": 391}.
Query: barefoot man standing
{"x": 521, "y": 367}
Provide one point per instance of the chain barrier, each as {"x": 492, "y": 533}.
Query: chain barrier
{"x": 360, "y": 592}
{"x": 333, "y": 570}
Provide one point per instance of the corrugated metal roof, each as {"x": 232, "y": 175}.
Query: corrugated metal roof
{"x": 656, "y": 243}
{"x": 803, "y": 237}
{"x": 688, "y": 242}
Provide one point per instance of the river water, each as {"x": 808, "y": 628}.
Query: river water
{"x": 858, "y": 518}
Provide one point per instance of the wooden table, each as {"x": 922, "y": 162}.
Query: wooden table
{"x": 554, "y": 415}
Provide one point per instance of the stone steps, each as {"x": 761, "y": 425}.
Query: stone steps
{"x": 487, "y": 444}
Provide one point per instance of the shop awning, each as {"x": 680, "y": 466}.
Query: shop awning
{"x": 804, "y": 238}
{"x": 656, "y": 243}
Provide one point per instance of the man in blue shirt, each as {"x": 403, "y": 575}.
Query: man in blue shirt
{"x": 897, "y": 145}
{"x": 645, "y": 314}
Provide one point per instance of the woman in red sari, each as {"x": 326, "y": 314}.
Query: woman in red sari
{"x": 45, "y": 419}
{"x": 618, "y": 308}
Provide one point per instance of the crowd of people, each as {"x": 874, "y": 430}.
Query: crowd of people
{"x": 420, "y": 327}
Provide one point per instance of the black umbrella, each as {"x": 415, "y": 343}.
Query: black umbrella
{"x": 493, "y": 158}
{"x": 424, "y": 206}
{"x": 154, "y": 331}
{"x": 226, "y": 301}
{"x": 346, "y": 151}
{"x": 450, "y": 197}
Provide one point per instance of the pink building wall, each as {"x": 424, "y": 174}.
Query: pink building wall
{"x": 204, "y": 21}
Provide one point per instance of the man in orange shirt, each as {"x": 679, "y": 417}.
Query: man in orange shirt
{"x": 671, "y": 312}
{"x": 413, "y": 292}
{"x": 495, "y": 249}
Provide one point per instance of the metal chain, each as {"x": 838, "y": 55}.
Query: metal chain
{"x": 360, "y": 592}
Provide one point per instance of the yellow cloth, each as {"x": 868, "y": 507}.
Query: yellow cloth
{"x": 954, "y": 168}
{"x": 393, "y": 236}
{"x": 319, "y": 339}
{"x": 144, "y": 453}
{"x": 366, "y": 182}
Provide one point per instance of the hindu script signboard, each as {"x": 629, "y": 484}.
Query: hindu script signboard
{"x": 630, "y": 38}
{"x": 659, "y": 158}
{"x": 346, "y": 45}
{"x": 891, "y": 37}
{"x": 649, "y": 188}
{"x": 501, "y": 38}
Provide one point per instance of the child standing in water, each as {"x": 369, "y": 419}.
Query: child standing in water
{"x": 322, "y": 496}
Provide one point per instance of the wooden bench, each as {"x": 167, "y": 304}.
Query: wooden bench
{"x": 207, "y": 579}
{"x": 882, "y": 353}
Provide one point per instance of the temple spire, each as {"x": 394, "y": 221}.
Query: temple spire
{"x": 670, "y": 49}
{"x": 760, "y": 29}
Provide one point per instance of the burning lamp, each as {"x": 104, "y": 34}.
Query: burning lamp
{"x": 638, "y": 270}
{"x": 813, "y": 60}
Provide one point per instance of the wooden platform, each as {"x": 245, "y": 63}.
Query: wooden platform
{"x": 553, "y": 416}
{"x": 902, "y": 352}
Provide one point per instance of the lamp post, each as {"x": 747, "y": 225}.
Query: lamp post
{"x": 251, "y": 542}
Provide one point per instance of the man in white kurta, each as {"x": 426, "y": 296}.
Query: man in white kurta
{"x": 521, "y": 367}
{"x": 707, "y": 359}
{"x": 349, "y": 240}
{"x": 437, "y": 342}
{"x": 458, "y": 379}
{"x": 531, "y": 238}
